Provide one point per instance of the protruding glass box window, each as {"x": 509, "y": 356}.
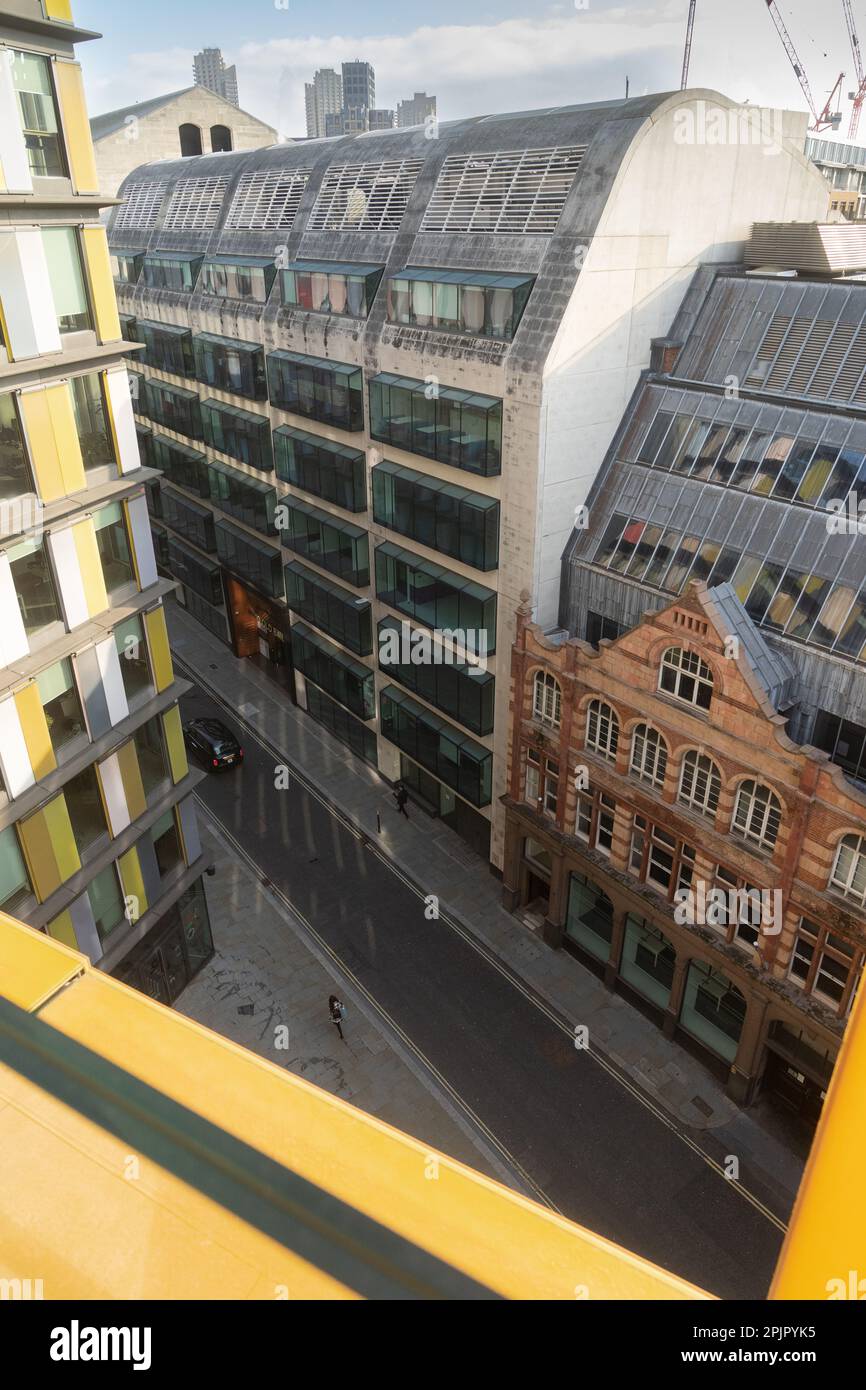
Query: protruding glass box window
{"x": 330, "y": 392}
{"x": 462, "y": 691}
{"x": 460, "y": 762}
{"x": 164, "y": 270}
{"x": 342, "y": 615}
{"x": 167, "y": 347}
{"x": 436, "y": 597}
{"x": 239, "y": 433}
{"x": 331, "y": 287}
{"x": 174, "y": 407}
{"x": 230, "y": 365}
{"x": 458, "y": 427}
{"x": 249, "y": 500}
{"x": 251, "y": 559}
{"x": 460, "y": 523}
{"x": 248, "y": 278}
{"x": 126, "y": 266}
{"x": 336, "y": 545}
{"x": 348, "y": 681}
{"x": 320, "y": 466}
{"x": 480, "y": 303}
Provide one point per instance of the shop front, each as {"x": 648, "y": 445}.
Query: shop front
{"x": 260, "y": 631}
{"x": 173, "y": 951}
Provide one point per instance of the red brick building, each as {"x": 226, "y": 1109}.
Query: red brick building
{"x": 652, "y": 790}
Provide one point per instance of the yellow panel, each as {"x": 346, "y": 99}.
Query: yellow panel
{"x": 39, "y": 853}
{"x": 59, "y": 9}
{"x": 130, "y": 877}
{"x": 66, "y": 436}
{"x": 63, "y": 930}
{"x": 90, "y": 566}
{"x": 130, "y": 775}
{"x": 160, "y": 653}
{"x": 175, "y": 744}
{"x": 42, "y": 445}
{"x": 31, "y": 967}
{"x": 101, "y": 284}
{"x": 76, "y": 127}
{"x": 62, "y": 839}
{"x": 34, "y": 727}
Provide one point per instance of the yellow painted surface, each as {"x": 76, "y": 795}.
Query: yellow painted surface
{"x": 31, "y": 967}
{"x": 62, "y": 839}
{"x": 76, "y": 127}
{"x": 52, "y": 441}
{"x": 101, "y": 284}
{"x": 39, "y": 855}
{"x": 177, "y": 758}
{"x": 34, "y": 727}
{"x": 160, "y": 652}
{"x": 90, "y": 566}
{"x": 130, "y": 877}
{"x": 61, "y": 929}
{"x": 59, "y": 9}
{"x": 66, "y": 436}
{"x": 130, "y": 775}
{"x": 824, "y": 1254}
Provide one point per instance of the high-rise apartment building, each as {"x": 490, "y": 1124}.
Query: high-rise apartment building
{"x": 371, "y": 446}
{"x": 415, "y": 110}
{"x": 210, "y": 70}
{"x": 359, "y": 84}
{"x": 98, "y": 840}
{"x": 323, "y": 97}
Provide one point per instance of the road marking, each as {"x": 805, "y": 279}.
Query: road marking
{"x": 485, "y": 953}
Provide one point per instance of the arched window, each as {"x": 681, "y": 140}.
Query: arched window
{"x": 602, "y": 729}
{"x": 547, "y": 698}
{"x": 849, "y": 868}
{"x": 757, "y": 814}
{"x": 190, "y": 139}
{"x": 220, "y": 138}
{"x": 685, "y": 676}
{"x": 700, "y": 784}
{"x": 649, "y": 755}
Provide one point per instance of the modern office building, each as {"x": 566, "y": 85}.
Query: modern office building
{"x": 844, "y": 168}
{"x": 416, "y": 110}
{"x": 385, "y": 429}
{"x": 322, "y": 97}
{"x": 98, "y": 840}
{"x": 359, "y": 84}
{"x": 211, "y": 71}
{"x": 192, "y": 121}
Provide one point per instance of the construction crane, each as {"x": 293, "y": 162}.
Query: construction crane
{"x": 827, "y": 117}
{"x": 859, "y": 96}
{"x": 690, "y": 29}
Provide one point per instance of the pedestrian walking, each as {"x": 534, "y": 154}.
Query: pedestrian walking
{"x": 401, "y": 796}
{"x": 337, "y": 1010}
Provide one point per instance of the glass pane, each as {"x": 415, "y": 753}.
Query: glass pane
{"x": 14, "y": 470}
{"x": 66, "y": 278}
{"x": 61, "y": 704}
{"x": 34, "y": 587}
{"x": 31, "y": 78}
{"x": 94, "y": 435}
{"x": 84, "y": 804}
{"x": 14, "y": 882}
{"x": 113, "y": 544}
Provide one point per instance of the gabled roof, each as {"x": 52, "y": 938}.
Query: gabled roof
{"x": 110, "y": 121}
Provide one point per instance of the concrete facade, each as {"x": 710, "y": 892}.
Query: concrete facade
{"x": 150, "y": 130}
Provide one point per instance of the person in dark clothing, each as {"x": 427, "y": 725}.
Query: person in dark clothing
{"x": 401, "y": 796}
{"x": 338, "y": 1013}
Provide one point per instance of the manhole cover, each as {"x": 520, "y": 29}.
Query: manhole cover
{"x": 701, "y": 1105}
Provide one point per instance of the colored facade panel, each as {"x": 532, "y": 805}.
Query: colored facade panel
{"x": 49, "y": 847}
{"x": 59, "y": 9}
{"x": 14, "y": 754}
{"x": 174, "y": 742}
{"x": 25, "y": 293}
{"x": 70, "y": 586}
{"x": 138, "y": 525}
{"x": 189, "y": 830}
{"x": 133, "y": 883}
{"x": 34, "y": 727}
{"x": 86, "y": 935}
{"x": 160, "y": 653}
{"x": 130, "y": 772}
{"x": 108, "y": 660}
{"x": 90, "y": 567}
{"x": 76, "y": 127}
{"x": 13, "y": 638}
{"x": 101, "y": 284}
{"x": 52, "y": 441}
{"x": 122, "y": 419}
{"x": 113, "y": 794}
{"x": 62, "y": 929}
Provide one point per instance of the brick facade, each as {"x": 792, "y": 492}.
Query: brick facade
{"x": 682, "y": 797}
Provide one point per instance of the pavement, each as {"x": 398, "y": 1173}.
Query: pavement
{"x": 670, "y": 1084}
{"x": 267, "y": 990}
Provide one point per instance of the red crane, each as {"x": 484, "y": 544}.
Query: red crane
{"x": 859, "y": 96}
{"x": 827, "y": 117}
{"x": 690, "y": 29}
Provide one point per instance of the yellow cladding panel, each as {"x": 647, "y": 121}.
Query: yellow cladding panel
{"x": 34, "y": 727}
{"x": 130, "y": 775}
{"x": 59, "y": 9}
{"x": 60, "y": 829}
{"x": 32, "y": 968}
{"x": 76, "y": 127}
{"x": 62, "y": 930}
{"x": 90, "y": 566}
{"x": 101, "y": 284}
{"x": 160, "y": 653}
{"x": 52, "y": 440}
{"x": 174, "y": 742}
{"x": 133, "y": 883}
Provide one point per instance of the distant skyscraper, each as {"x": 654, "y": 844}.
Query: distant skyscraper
{"x": 359, "y": 85}
{"x": 210, "y": 71}
{"x": 323, "y": 98}
{"x": 380, "y": 119}
{"x": 416, "y": 111}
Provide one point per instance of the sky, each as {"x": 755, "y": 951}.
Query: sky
{"x": 477, "y": 59}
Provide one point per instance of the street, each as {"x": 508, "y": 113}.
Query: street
{"x": 587, "y": 1142}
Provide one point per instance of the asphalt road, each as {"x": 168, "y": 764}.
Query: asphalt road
{"x": 601, "y": 1156}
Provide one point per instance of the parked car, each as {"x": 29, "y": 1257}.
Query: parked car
{"x": 213, "y": 743}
